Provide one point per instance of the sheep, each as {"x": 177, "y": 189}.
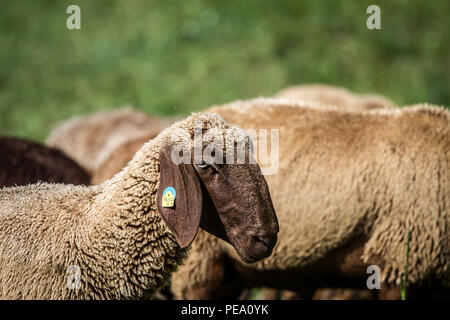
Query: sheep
{"x": 119, "y": 155}
{"x": 296, "y": 105}
{"x": 342, "y": 99}
{"x": 335, "y": 96}
{"x": 123, "y": 238}
{"x": 291, "y": 117}
{"x": 89, "y": 139}
{"x": 349, "y": 187}
{"x": 23, "y": 162}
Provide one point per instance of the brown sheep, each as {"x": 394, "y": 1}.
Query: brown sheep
{"x": 344, "y": 100}
{"x": 340, "y": 133}
{"x": 25, "y": 162}
{"x": 123, "y": 238}
{"x": 350, "y": 185}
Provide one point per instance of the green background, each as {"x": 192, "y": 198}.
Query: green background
{"x": 174, "y": 57}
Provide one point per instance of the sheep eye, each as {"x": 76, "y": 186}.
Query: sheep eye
{"x": 202, "y": 165}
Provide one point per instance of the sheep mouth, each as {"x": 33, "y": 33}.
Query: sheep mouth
{"x": 262, "y": 255}
{"x": 254, "y": 251}
{"x": 248, "y": 258}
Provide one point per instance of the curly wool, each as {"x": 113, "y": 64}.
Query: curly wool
{"x": 113, "y": 232}
{"x": 378, "y": 173}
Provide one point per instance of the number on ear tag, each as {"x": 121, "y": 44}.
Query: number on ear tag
{"x": 168, "y": 198}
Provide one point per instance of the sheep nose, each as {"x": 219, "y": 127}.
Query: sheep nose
{"x": 262, "y": 246}
{"x": 268, "y": 241}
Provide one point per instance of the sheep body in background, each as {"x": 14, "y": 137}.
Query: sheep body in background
{"x": 90, "y": 139}
{"x": 335, "y": 96}
{"x": 117, "y": 237}
{"x": 343, "y": 99}
{"x": 119, "y": 157}
{"x": 23, "y": 162}
{"x": 349, "y": 187}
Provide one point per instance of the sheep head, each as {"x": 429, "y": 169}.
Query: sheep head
{"x": 218, "y": 185}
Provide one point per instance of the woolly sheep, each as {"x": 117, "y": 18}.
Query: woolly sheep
{"x": 295, "y": 119}
{"x": 89, "y": 139}
{"x": 116, "y": 239}
{"x": 343, "y": 99}
{"x": 335, "y": 96}
{"x": 23, "y": 162}
{"x": 349, "y": 187}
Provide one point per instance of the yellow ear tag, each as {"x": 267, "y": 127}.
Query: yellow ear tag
{"x": 168, "y": 198}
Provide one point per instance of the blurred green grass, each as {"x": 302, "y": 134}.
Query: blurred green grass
{"x": 171, "y": 57}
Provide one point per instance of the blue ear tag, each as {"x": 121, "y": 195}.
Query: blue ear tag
{"x": 168, "y": 198}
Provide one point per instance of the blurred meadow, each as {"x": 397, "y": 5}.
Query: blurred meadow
{"x": 175, "y": 57}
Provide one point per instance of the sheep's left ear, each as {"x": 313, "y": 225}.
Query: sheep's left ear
{"x": 182, "y": 215}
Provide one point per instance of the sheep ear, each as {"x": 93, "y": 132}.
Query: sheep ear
{"x": 182, "y": 215}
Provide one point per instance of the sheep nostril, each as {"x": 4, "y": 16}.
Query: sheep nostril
{"x": 264, "y": 240}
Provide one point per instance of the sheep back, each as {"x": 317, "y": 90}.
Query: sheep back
{"x": 90, "y": 139}
{"x": 379, "y": 173}
{"x": 335, "y": 96}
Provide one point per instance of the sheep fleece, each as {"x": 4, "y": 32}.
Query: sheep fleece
{"x": 379, "y": 172}
{"x": 112, "y": 233}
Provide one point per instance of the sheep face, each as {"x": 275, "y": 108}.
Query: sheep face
{"x": 237, "y": 208}
{"x": 218, "y": 186}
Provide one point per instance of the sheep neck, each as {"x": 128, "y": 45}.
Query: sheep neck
{"x": 138, "y": 235}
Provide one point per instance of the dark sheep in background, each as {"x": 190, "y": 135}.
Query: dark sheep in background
{"x": 25, "y": 162}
